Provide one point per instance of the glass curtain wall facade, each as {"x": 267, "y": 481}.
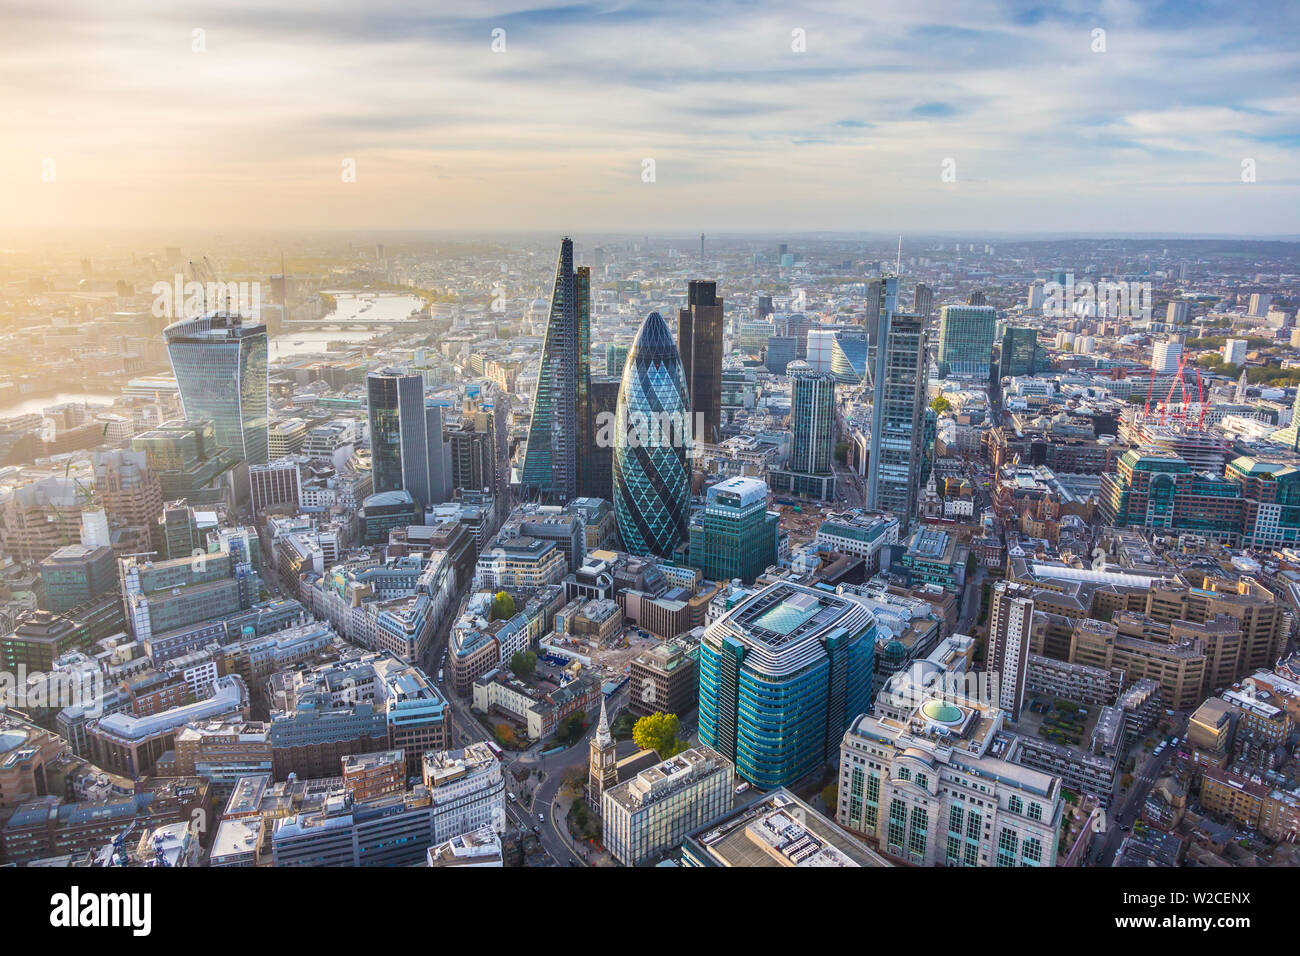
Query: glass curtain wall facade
{"x": 699, "y": 342}
{"x": 651, "y": 473}
{"x": 966, "y": 339}
{"x": 561, "y": 418}
{"x": 781, "y": 677}
{"x": 220, "y": 363}
{"x": 734, "y": 536}
{"x": 812, "y": 419}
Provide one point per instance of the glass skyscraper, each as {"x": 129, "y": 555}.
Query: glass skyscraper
{"x": 651, "y": 472}
{"x": 699, "y": 342}
{"x": 966, "y": 339}
{"x": 1021, "y": 354}
{"x": 897, "y": 408}
{"x": 220, "y": 365}
{"x": 781, "y": 677}
{"x": 810, "y": 470}
{"x": 555, "y": 459}
{"x": 849, "y": 357}
{"x": 734, "y": 535}
{"x": 407, "y": 448}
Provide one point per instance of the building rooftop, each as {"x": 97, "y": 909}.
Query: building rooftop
{"x": 779, "y": 830}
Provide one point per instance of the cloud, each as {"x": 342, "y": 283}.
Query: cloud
{"x": 747, "y": 131}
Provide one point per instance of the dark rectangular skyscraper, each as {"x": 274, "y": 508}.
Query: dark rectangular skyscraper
{"x": 699, "y": 341}
{"x": 407, "y": 450}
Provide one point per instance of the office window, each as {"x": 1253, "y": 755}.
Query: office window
{"x": 1007, "y": 844}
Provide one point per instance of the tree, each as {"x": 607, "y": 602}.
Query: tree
{"x": 830, "y": 796}
{"x": 571, "y": 727}
{"x": 503, "y": 607}
{"x": 657, "y": 732}
{"x": 523, "y": 663}
{"x": 941, "y": 405}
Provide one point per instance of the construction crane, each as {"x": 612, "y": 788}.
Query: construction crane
{"x": 207, "y": 275}
{"x": 1180, "y": 383}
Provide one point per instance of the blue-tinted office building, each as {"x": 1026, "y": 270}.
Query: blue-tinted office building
{"x": 651, "y": 470}
{"x": 781, "y": 677}
{"x": 220, "y": 364}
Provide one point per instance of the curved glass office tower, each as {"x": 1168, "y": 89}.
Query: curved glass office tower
{"x": 651, "y": 473}
{"x": 220, "y": 366}
{"x": 782, "y": 676}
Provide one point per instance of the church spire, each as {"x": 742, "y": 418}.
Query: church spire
{"x": 603, "y": 736}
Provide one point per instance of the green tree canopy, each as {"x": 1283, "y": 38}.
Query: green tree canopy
{"x": 523, "y": 663}
{"x": 657, "y": 732}
{"x": 503, "y": 607}
{"x": 941, "y": 405}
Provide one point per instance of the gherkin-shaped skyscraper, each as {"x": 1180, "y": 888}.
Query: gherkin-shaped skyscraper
{"x": 651, "y": 432}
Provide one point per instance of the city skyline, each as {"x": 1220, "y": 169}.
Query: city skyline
{"x": 838, "y": 119}
{"x": 614, "y": 435}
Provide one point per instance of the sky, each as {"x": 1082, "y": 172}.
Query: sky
{"x": 707, "y": 115}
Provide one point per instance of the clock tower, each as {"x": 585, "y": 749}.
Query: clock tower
{"x": 602, "y": 768}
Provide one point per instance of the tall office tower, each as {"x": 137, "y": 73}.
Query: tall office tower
{"x": 849, "y": 356}
{"x": 966, "y": 339}
{"x": 561, "y": 419}
{"x": 1020, "y": 353}
{"x": 903, "y": 407}
{"x": 599, "y": 470}
{"x": 734, "y": 536}
{"x": 821, "y": 345}
{"x": 977, "y": 298}
{"x": 699, "y": 342}
{"x": 1178, "y": 312}
{"x": 178, "y": 534}
{"x": 876, "y": 289}
{"x": 923, "y": 300}
{"x": 1234, "y": 351}
{"x": 473, "y": 462}
{"x": 780, "y": 353}
{"x": 407, "y": 448}
{"x": 1166, "y": 355}
{"x": 220, "y": 366}
{"x": 131, "y": 494}
{"x": 812, "y": 420}
{"x": 794, "y": 324}
{"x": 1010, "y": 620}
{"x": 615, "y": 359}
{"x": 1259, "y": 303}
{"x": 1037, "y": 295}
{"x": 651, "y": 473}
{"x": 764, "y": 307}
{"x": 810, "y": 470}
{"x": 898, "y": 346}
{"x": 782, "y": 675}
